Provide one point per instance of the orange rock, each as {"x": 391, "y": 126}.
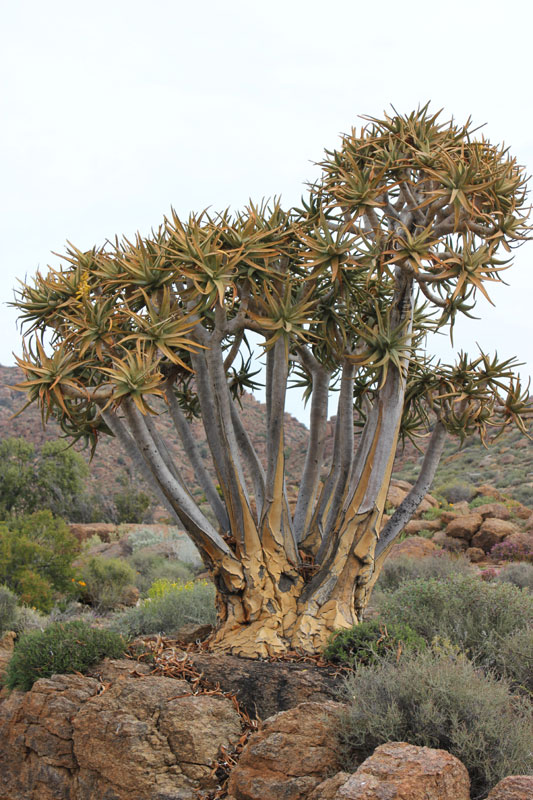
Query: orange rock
{"x": 514, "y": 787}
{"x": 475, "y": 554}
{"x": 414, "y": 526}
{"x": 494, "y": 511}
{"x": 400, "y": 771}
{"x": 414, "y": 547}
{"x": 290, "y": 756}
{"x": 464, "y": 527}
{"x": 493, "y": 531}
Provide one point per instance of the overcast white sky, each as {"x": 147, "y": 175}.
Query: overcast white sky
{"x": 114, "y": 111}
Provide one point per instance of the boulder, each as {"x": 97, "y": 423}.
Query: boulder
{"x": 448, "y": 543}
{"x": 400, "y": 771}
{"x": 414, "y": 526}
{"x": 136, "y": 738}
{"x": 529, "y": 523}
{"x": 515, "y": 787}
{"x": 464, "y": 527}
{"x": 521, "y": 511}
{"x": 475, "y": 554}
{"x": 491, "y": 532}
{"x": 264, "y": 688}
{"x": 494, "y": 511}
{"x": 490, "y": 491}
{"x": 293, "y": 753}
{"x": 395, "y": 495}
{"x": 414, "y": 547}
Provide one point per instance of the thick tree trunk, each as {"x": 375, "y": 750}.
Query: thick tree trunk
{"x": 278, "y": 610}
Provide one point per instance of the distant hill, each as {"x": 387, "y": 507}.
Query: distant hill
{"x": 507, "y": 464}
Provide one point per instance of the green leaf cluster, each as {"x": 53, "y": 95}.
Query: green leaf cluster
{"x": 60, "y": 648}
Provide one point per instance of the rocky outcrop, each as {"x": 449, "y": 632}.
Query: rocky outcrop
{"x": 400, "y": 771}
{"x": 264, "y": 688}
{"x": 290, "y": 756}
{"x": 414, "y": 526}
{"x": 293, "y": 754}
{"x": 492, "y": 532}
{"x": 137, "y": 738}
{"x": 515, "y": 787}
{"x": 464, "y": 526}
{"x": 494, "y": 510}
{"x": 414, "y": 547}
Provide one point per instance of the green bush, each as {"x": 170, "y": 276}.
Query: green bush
{"x": 131, "y": 504}
{"x": 520, "y": 574}
{"x": 512, "y": 657}
{"x": 105, "y": 581}
{"x": 187, "y": 603}
{"x": 50, "y": 479}
{"x": 456, "y": 490}
{"x": 469, "y": 612}
{"x": 61, "y": 648}
{"x": 403, "y": 568}
{"x": 8, "y": 610}
{"x": 150, "y": 566}
{"x": 35, "y": 591}
{"x": 36, "y": 553}
{"x": 481, "y": 500}
{"x": 438, "y": 700}
{"x": 369, "y": 641}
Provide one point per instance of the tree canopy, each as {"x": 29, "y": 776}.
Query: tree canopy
{"x": 411, "y": 219}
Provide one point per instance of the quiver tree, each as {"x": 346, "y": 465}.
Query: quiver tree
{"x": 402, "y": 231}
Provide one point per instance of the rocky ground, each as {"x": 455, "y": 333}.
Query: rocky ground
{"x": 138, "y": 731}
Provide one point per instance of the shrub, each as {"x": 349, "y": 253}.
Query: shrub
{"x": 8, "y": 610}
{"x": 106, "y": 580}
{"x": 520, "y": 574}
{"x": 438, "y": 700}
{"x": 367, "y": 642}
{"x": 513, "y": 658}
{"x": 131, "y": 505}
{"x": 34, "y": 590}
{"x": 435, "y": 512}
{"x": 512, "y": 551}
{"x": 462, "y": 608}
{"x": 455, "y": 491}
{"x": 150, "y": 566}
{"x": 170, "y": 610}
{"x": 403, "y": 568}
{"x": 480, "y": 500}
{"x": 29, "y": 619}
{"x": 61, "y": 648}
{"x": 144, "y": 537}
{"x": 42, "y": 544}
